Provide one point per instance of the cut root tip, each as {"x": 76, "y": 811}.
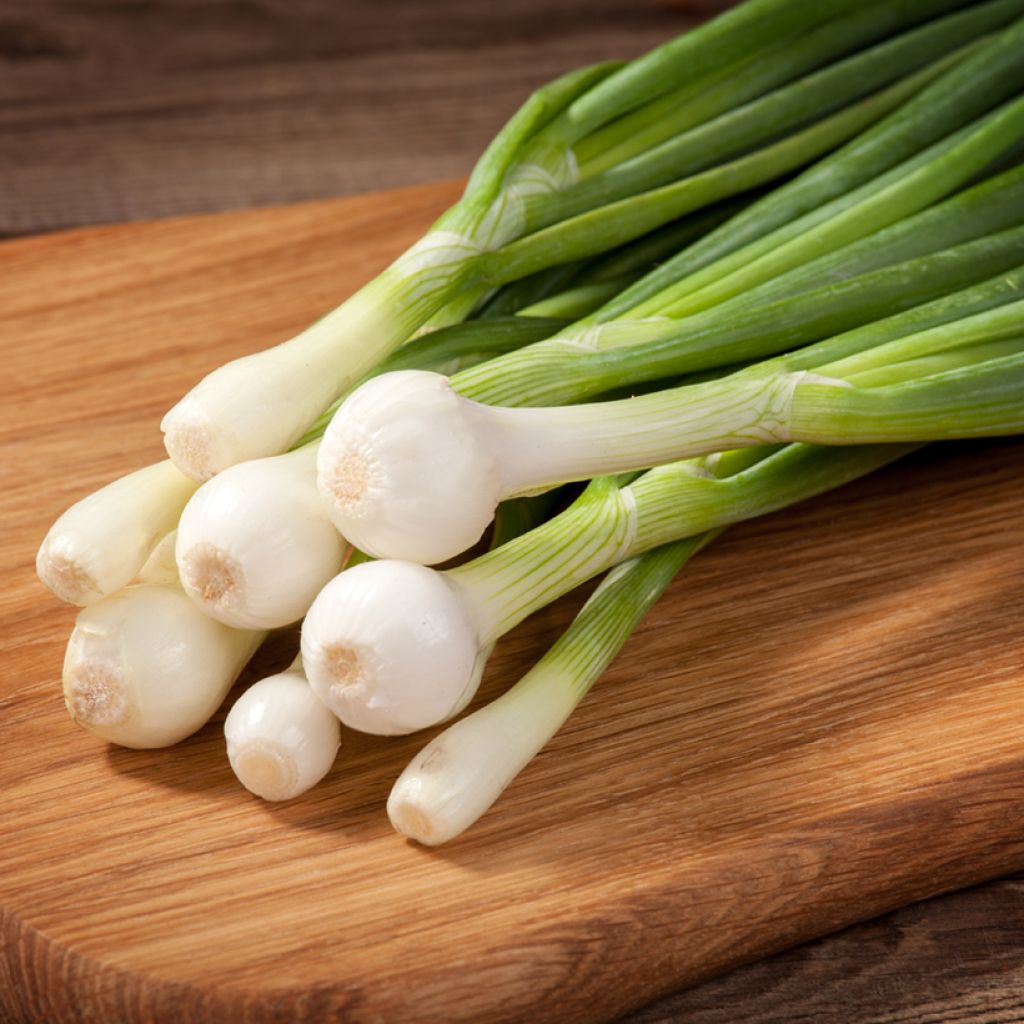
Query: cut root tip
{"x": 212, "y": 575}
{"x": 413, "y": 823}
{"x": 343, "y": 667}
{"x": 95, "y": 696}
{"x": 66, "y": 578}
{"x": 349, "y": 479}
{"x": 188, "y": 443}
{"x": 265, "y": 769}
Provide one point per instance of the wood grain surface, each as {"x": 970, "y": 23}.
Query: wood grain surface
{"x": 113, "y": 110}
{"x": 821, "y": 722}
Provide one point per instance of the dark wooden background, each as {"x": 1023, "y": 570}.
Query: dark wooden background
{"x": 114, "y": 110}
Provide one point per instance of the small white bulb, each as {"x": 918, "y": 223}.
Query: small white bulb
{"x": 390, "y": 648}
{"x": 146, "y": 668}
{"x": 255, "y": 545}
{"x": 281, "y": 739}
{"x": 99, "y": 544}
{"x": 406, "y": 470}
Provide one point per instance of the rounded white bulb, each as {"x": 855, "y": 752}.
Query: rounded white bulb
{"x": 406, "y": 471}
{"x": 255, "y": 545}
{"x": 390, "y": 648}
{"x": 146, "y": 668}
{"x": 281, "y": 739}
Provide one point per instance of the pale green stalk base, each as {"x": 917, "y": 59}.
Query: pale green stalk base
{"x": 866, "y": 311}
{"x": 597, "y": 526}
{"x": 767, "y": 404}
{"x": 610, "y": 523}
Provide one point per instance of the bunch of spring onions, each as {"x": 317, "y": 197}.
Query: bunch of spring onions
{"x": 761, "y": 261}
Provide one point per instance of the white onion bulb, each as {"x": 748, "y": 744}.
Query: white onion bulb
{"x": 390, "y": 461}
{"x": 390, "y": 648}
{"x": 146, "y": 668}
{"x": 255, "y": 545}
{"x": 281, "y": 739}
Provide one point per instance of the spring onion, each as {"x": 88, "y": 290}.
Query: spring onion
{"x": 413, "y": 470}
{"x": 391, "y": 646}
{"x": 459, "y": 774}
{"x": 281, "y": 739}
{"x": 145, "y": 667}
{"x": 262, "y": 404}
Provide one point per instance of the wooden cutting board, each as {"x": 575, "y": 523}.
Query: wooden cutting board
{"x": 822, "y": 720}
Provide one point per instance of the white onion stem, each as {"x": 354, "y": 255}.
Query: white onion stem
{"x": 99, "y": 544}
{"x": 414, "y": 471}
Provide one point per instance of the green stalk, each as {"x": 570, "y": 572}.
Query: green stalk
{"x": 971, "y": 316}
{"x": 980, "y": 400}
{"x": 939, "y": 362}
{"x": 929, "y": 183}
{"x": 613, "y": 611}
{"x": 987, "y": 208}
{"x": 984, "y": 272}
{"x": 737, "y": 84}
{"x": 626, "y": 219}
{"x": 516, "y": 296}
{"x": 555, "y": 286}
{"x": 608, "y": 524}
{"x": 769, "y": 116}
{"x": 994, "y": 205}
{"x": 577, "y": 302}
{"x": 989, "y": 76}
{"x": 968, "y": 333}
{"x": 754, "y": 26}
